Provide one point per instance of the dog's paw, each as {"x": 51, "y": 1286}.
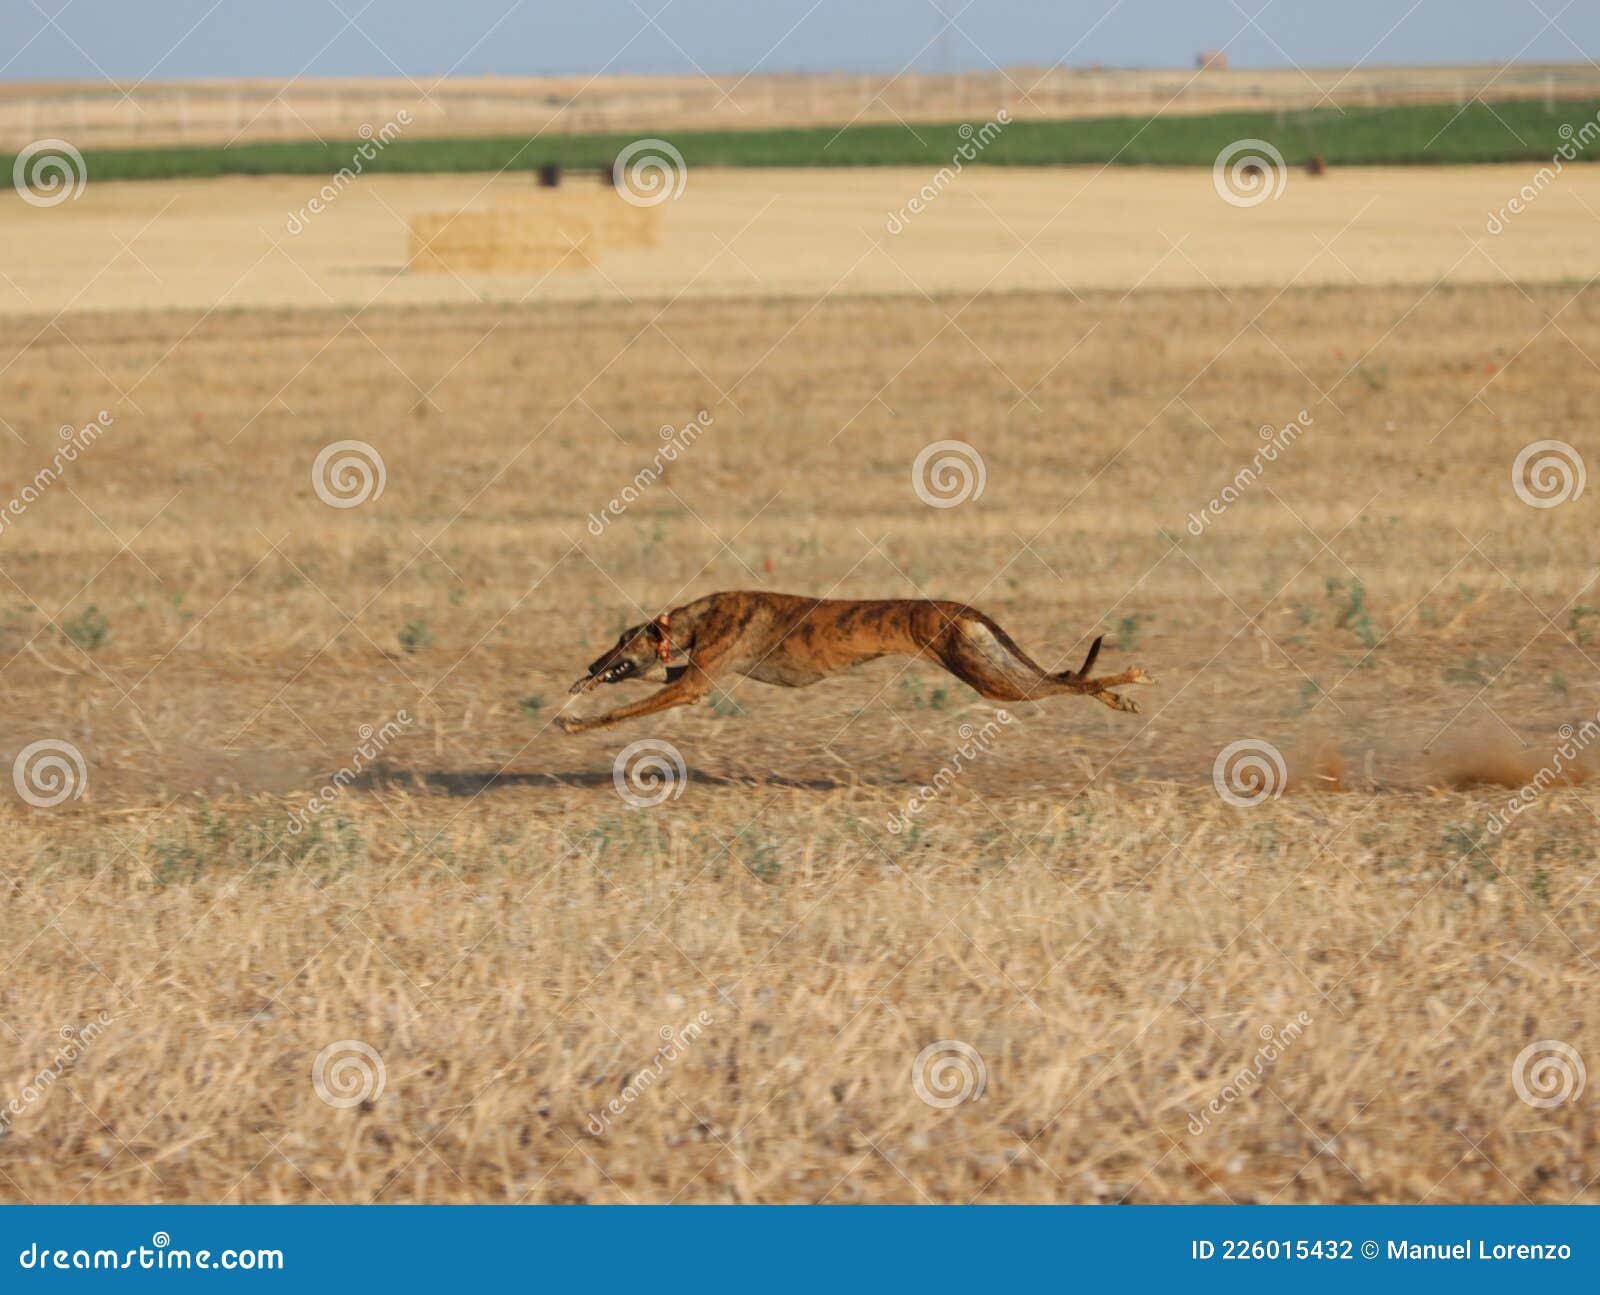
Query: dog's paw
{"x": 570, "y": 724}
{"x": 1117, "y": 702}
{"x": 1141, "y": 676}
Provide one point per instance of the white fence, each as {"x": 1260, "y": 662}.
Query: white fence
{"x": 222, "y": 112}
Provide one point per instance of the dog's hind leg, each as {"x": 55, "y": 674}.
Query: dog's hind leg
{"x": 986, "y": 674}
{"x": 984, "y": 657}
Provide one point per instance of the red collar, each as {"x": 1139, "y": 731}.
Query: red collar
{"x": 664, "y": 647}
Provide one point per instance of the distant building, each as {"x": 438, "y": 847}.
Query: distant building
{"x": 1207, "y": 59}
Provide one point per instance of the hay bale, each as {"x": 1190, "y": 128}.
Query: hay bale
{"x": 539, "y": 229}
{"x": 503, "y": 239}
{"x": 602, "y": 211}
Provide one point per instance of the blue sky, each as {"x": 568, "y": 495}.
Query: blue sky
{"x": 164, "y": 39}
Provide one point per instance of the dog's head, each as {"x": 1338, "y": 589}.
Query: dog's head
{"x": 635, "y": 653}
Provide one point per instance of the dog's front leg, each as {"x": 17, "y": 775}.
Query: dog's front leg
{"x": 686, "y": 691}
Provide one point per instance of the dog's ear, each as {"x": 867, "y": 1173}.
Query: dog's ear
{"x": 667, "y": 644}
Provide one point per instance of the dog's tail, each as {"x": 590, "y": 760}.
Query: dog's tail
{"x": 1082, "y": 672}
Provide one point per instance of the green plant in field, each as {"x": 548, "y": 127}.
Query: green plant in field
{"x": 89, "y": 630}
{"x": 598, "y": 839}
{"x": 416, "y": 635}
{"x": 1465, "y": 840}
{"x": 1582, "y": 633}
{"x": 11, "y": 632}
{"x": 724, "y": 706}
{"x": 1353, "y": 616}
{"x": 936, "y": 698}
{"x": 1401, "y": 134}
{"x": 531, "y": 705}
{"x": 1128, "y": 632}
{"x": 1375, "y": 375}
{"x": 649, "y": 539}
{"x": 1558, "y": 683}
{"x": 759, "y": 856}
{"x": 255, "y": 845}
{"x": 173, "y": 862}
{"x": 330, "y": 840}
{"x": 1270, "y": 839}
{"x": 1310, "y": 691}
{"x": 1477, "y": 670}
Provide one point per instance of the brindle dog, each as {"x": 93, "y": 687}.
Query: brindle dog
{"x": 781, "y": 639}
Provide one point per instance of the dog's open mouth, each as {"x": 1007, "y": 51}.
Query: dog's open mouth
{"x": 614, "y": 674}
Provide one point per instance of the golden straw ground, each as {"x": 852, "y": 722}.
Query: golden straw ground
{"x": 1079, "y": 906}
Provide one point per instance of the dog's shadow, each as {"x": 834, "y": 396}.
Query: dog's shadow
{"x": 474, "y": 782}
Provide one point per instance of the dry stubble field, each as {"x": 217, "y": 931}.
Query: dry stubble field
{"x": 1080, "y": 908}
{"x": 196, "y": 244}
